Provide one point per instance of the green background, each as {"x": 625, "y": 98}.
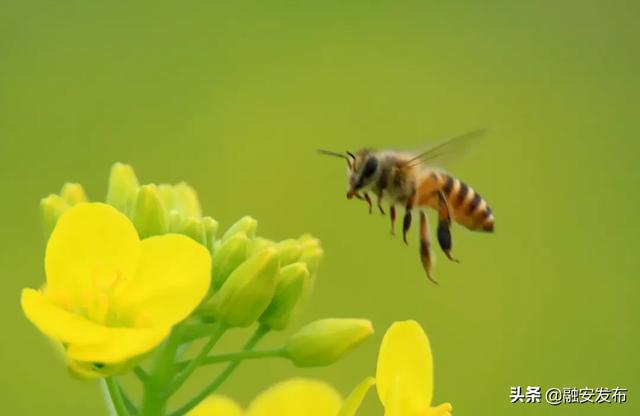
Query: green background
{"x": 234, "y": 98}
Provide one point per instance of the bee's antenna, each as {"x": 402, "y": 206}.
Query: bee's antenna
{"x": 350, "y": 162}
{"x": 334, "y": 154}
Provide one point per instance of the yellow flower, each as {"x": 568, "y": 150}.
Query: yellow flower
{"x": 404, "y": 376}
{"x": 293, "y": 397}
{"x": 110, "y": 297}
{"x": 217, "y": 406}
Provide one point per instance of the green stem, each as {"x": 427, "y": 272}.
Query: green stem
{"x": 116, "y": 396}
{"x": 242, "y": 355}
{"x": 217, "y": 333}
{"x": 222, "y": 377}
{"x": 196, "y": 331}
{"x": 154, "y": 400}
{"x": 141, "y": 374}
{"x": 127, "y": 401}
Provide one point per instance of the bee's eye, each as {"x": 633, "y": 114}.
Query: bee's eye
{"x": 370, "y": 167}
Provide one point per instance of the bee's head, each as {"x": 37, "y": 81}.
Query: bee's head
{"x": 363, "y": 169}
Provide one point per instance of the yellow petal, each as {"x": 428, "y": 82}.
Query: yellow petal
{"x": 444, "y": 409}
{"x": 401, "y": 403}
{"x": 296, "y": 397}
{"x": 216, "y": 406}
{"x": 354, "y": 400}
{"x": 83, "y": 371}
{"x": 405, "y": 359}
{"x": 58, "y": 323}
{"x": 92, "y": 247}
{"x": 120, "y": 345}
{"x": 172, "y": 278}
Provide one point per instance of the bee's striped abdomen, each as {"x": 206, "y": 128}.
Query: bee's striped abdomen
{"x": 467, "y": 206}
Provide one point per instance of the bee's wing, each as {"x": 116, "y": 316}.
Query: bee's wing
{"x": 445, "y": 152}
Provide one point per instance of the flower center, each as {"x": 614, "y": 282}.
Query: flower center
{"x": 98, "y": 300}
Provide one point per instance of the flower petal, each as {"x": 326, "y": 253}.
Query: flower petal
{"x": 120, "y": 345}
{"x": 59, "y": 324}
{"x": 405, "y": 358}
{"x": 401, "y": 403}
{"x": 92, "y": 247}
{"x": 216, "y": 406}
{"x": 444, "y": 409}
{"x": 83, "y": 371}
{"x": 172, "y": 278}
{"x": 354, "y": 400}
{"x": 297, "y": 397}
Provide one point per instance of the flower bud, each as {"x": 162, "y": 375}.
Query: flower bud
{"x": 291, "y": 282}
{"x": 312, "y": 256}
{"x": 248, "y": 290}
{"x": 186, "y": 200}
{"x": 51, "y": 208}
{"x": 167, "y": 195}
{"x": 123, "y": 184}
{"x": 194, "y": 228}
{"x": 311, "y": 252}
{"x": 210, "y": 229}
{"x": 307, "y": 240}
{"x": 289, "y": 251}
{"x": 176, "y": 221}
{"x": 228, "y": 255}
{"x": 149, "y": 215}
{"x": 259, "y": 244}
{"x": 325, "y": 341}
{"x": 73, "y": 193}
{"x": 246, "y": 224}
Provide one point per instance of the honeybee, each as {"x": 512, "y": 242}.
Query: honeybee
{"x": 406, "y": 179}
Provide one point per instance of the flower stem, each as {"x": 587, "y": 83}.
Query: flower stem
{"x": 128, "y": 402}
{"x": 195, "y": 331}
{"x": 242, "y": 355}
{"x": 141, "y": 374}
{"x": 154, "y": 400}
{"x": 260, "y": 332}
{"x": 218, "y": 330}
{"x": 116, "y": 396}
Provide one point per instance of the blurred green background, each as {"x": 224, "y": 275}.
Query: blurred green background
{"x": 234, "y": 97}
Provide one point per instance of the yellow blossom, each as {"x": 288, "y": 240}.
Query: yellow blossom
{"x": 217, "y": 406}
{"x": 110, "y": 297}
{"x": 404, "y": 376}
{"x": 293, "y": 397}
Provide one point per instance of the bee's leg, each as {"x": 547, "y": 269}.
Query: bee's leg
{"x": 444, "y": 227}
{"x": 425, "y": 245}
{"x": 392, "y": 214}
{"x": 380, "y": 202}
{"x": 366, "y": 198}
{"x": 406, "y": 223}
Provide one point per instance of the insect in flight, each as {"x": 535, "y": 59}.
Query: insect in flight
{"x": 410, "y": 180}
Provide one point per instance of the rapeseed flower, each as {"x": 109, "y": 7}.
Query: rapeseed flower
{"x": 111, "y": 297}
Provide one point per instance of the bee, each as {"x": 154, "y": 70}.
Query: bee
{"x": 412, "y": 181}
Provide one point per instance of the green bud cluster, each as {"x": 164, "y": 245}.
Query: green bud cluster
{"x": 257, "y": 279}
{"x": 159, "y": 209}
{"x": 153, "y": 209}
